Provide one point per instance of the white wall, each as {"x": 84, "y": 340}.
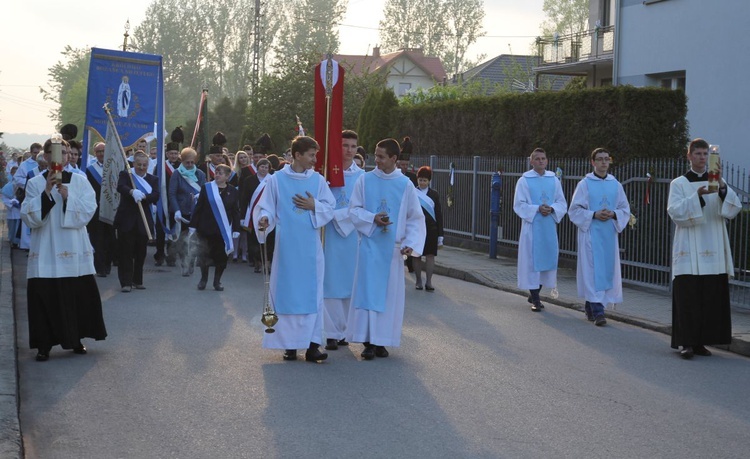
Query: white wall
{"x": 710, "y": 42}
{"x": 403, "y": 70}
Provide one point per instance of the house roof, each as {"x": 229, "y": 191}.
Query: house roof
{"x": 506, "y": 69}
{"x": 358, "y": 65}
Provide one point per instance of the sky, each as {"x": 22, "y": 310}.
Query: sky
{"x": 29, "y": 49}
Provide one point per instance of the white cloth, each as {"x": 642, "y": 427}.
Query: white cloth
{"x": 529, "y": 279}
{"x": 60, "y": 245}
{"x": 19, "y": 178}
{"x": 294, "y": 331}
{"x": 581, "y": 216}
{"x": 701, "y": 242}
{"x": 384, "y": 328}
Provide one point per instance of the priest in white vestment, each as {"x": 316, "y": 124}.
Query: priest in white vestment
{"x": 541, "y": 204}
{"x": 701, "y": 256}
{"x": 341, "y": 242}
{"x": 385, "y": 210}
{"x": 296, "y": 202}
{"x": 601, "y": 211}
{"x": 63, "y": 299}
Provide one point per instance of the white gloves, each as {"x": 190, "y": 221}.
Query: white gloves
{"x": 235, "y": 235}
{"x": 178, "y": 216}
{"x": 191, "y": 231}
{"x": 137, "y": 195}
{"x": 14, "y": 203}
{"x": 440, "y": 241}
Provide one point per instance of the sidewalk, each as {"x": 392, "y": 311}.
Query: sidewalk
{"x": 647, "y": 308}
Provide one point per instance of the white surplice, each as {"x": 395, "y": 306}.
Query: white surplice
{"x": 701, "y": 241}
{"x": 580, "y": 214}
{"x": 60, "y": 245}
{"x": 529, "y": 279}
{"x": 295, "y": 331}
{"x": 384, "y": 328}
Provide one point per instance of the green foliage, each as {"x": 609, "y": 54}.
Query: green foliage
{"x": 441, "y": 92}
{"x": 377, "y": 118}
{"x": 66, "y": 78}
{"x": 643, "y": 122}
{"x": 576, "y": 83}
{"x": 442, "y": 28}
{"x": 565, "y": 17}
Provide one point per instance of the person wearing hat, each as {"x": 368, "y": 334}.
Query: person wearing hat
{"x": 385, "y": 210}
{"x": 540, "y": 203}
{"x": 215, "y": 156}
{"x": 433, "y": 218}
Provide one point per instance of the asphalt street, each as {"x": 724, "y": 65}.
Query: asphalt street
{"x": 478, "y": 375}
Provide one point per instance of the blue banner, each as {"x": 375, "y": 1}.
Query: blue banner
{"x": 131, "y": 83}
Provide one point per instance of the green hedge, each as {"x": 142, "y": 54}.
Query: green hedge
{"x": 631, "y": 122}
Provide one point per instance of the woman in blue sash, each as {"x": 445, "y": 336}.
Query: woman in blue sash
{"x": 184, "y": 187}
{"x": 216, "y": 219}
{"x": 429, "y": 199}
{"x": 131, "y": 232}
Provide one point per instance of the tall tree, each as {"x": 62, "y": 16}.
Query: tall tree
{"x": 565, "y": 17}
{"x": 442, "y": 28}
{"x": 315, "y": 31}
{"x": 66, "y": 78}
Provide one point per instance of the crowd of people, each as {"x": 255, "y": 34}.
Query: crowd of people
{"x": 344, "y": 247}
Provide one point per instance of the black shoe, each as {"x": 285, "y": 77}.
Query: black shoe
{"x": 331, "y": 344}
{"x": 342, "y": 342}
{"x": 381, "y": 351}
{"x": 701, "y": 350}
{"x": 218, "y": 287}
{"x": 139, "y": 287}
{"x": 101, "y": 275}
{"x": 202, "y": 285}
{"x": 600, "y": 321}
{"x": 536, "y": 307}
{"x": 159, "y": 262}
{"x": 126, "y": 289}
{"x": 314, "y": 355}
{"x": 686, "y": 352}
{"x": 42, "y": 355}
{"x": 418, "y": 287}
{"x": 290, "y": 354}
{"x": 80, "y": 350}
{"x": 369, "y": 352}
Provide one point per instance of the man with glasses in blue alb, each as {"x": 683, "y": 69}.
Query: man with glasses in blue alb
{"x": 600, "y": 210}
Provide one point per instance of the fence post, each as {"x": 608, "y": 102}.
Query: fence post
{"x": 433, "y": 160}
{"x": 474, "y": 192}
{"x": 497, "y": 183}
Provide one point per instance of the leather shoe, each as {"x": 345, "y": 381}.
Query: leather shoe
{"x": 202, "y": 285}
{"x": 599, "y": 321}
{"x": 42, "y": 356}
{"x": 343, "y": 342}
{"x": 536, "y": 308}
{"x": 368, "y": 353}
{"x": 126, "y": 289}
{"x": 140, "y": 287}
{"x": 331, "y": 344}
{"x": 101, "y": 275}
{"x": 381, "y": 351}
{"x": 418, "y": 287}
{"x": 701, "y": 350}
{"x": 429, "y": 288}
{"x": 314, "y": 355}
{"x": 290, "y": 354}
{"x": 686, "y": 352}
{"x": 80, "y": 350}
{"x": 218, "y": 287}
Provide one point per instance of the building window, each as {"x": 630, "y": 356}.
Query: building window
{"x": 606, "y": 18}
{"x": 669, "y": 80}
{"x": 403, "y": 88}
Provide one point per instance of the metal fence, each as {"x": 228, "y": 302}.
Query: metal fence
{"x": 645, "y": 248}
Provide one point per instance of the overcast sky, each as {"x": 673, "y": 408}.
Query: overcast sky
{"x": 30, "y": 45}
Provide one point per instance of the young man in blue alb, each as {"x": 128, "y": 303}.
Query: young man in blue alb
{"x": 297, "y": 203}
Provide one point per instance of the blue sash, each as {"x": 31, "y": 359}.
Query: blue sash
{"x": 296, "y": 250}
{"x": 220, "y": 215}
{"x": 95, "y": 173}
{"x": 341, "y": 252}
{"x": 544, "y": 247}
{"x": 427, "y": 205}
{"x": 376, "y": 251}
{"x": 603, "y": 195}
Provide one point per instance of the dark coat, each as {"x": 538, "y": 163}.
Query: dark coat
{"x": 203, "y": 217}
{"x": 180, "y": 193}
{"x": 128, "y": 215}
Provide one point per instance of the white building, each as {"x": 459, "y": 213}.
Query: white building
{"x": 699, "y": 46}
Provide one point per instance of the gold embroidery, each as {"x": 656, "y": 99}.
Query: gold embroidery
{"x": 66, "y": 254}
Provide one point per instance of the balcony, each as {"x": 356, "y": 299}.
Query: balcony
{"x": 574, "y": 54}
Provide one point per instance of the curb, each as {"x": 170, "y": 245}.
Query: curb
{"x": 11, "y": 441}
{"x": 738, "y": 346}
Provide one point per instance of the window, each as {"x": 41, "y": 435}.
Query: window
{"x": 669, "y": 80}
{"x": 606, "y": 9}
{"x": 403, "y": 88}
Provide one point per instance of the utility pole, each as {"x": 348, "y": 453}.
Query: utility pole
{"x": 256, "y": 51}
